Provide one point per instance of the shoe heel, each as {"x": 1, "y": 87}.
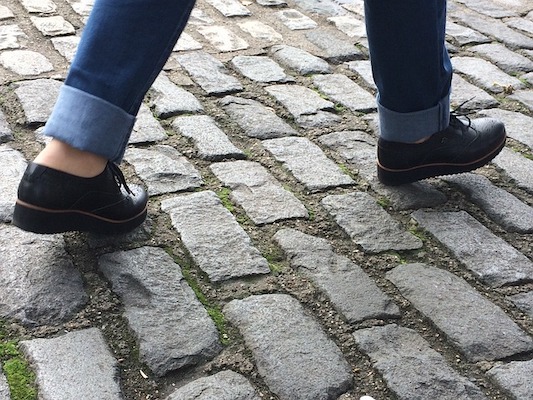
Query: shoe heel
{"x": 37, "y": 221}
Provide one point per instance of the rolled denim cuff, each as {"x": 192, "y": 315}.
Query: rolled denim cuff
{"x": 413, "y": 126}
{"x": 89, "y": 123}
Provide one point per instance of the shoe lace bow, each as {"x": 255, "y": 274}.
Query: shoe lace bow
{"x": 119, "y": 177}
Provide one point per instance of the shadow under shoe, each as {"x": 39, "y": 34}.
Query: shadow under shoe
{"x": 51, "y": 201}
{"x": 461, "y": 147}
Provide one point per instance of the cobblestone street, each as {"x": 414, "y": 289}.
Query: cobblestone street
{"x": 273, "y": 264}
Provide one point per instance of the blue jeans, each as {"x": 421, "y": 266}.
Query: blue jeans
{"x": 126, "y": 43}
{"x": 411, "y": 66}
{"x": 124, "y": 46}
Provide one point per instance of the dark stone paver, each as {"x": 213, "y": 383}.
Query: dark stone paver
{"x": 307, "y": 162}
{"x": 259, "y": 193}
{"x": 73, "y": 366}
{"x": 514, "y": 377}
{"x": 496, "y": 263}
{"x": 293, "y": 355}
{"x": 368, "y": 224}
{"x": 224, "y": 385}
{"x": 171, "y": 325}
{"x": 349, "y": 288}
{"x": 480, "y": 329}
{"x": 38, "y": 282}
{"x": 256, "y": 120}
{"x": 411, "y": 368}
{"x": 163, "y": 169}
{"x": 218, "y": 245}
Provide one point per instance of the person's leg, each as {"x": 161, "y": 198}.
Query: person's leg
{"x": 412, "y": 71}
{"x": 74, "y": 184}
{"x": 410, "y": 65}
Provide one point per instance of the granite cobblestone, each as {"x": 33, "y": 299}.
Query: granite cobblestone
{"x": 273, "y": 265}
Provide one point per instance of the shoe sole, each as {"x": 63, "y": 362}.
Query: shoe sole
{"x": 395, "y": 177}
{"x": 41, "y": 220}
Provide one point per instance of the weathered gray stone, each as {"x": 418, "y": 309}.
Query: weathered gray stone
{"x": 501, "y": 206}
{"x": 66, "y": 46}
{"x": 521, "y": 24}
{"x": 352, "y": 27}
{"x": 479, "y": 328}
{"x": 146, "y": 128}
{"x": 495, "y": 28}
{"x": 320, "y": 119}
{"x": 515, "y": 378}
{"x": 410, "y": 196}
{"x": 364, "y": 70}
{"x": 211, "y": 141}
{"x": 82, "y": 7}
{"x": 524, "y": 301}
{"x": 39, "y": 6}
{"x": 216, "y": 242}
{"x": 299, "y": 60}
{"x": 343, "y": 90}
{"x": 517, "y": 125}
{"x": 223, "y": 38}
{"x": 261, "y": 31}
{"x": 256, "y": 120}
{"x": 307, "y": 162}
{"x": 523, "y": 96}
{"x": 13, "y": 166}
{"x": 519, "y": 168}
{"x": 495, "y": 262}
{"x": 351, "y": 291}
{"x": 163, "y": 169}
{"x": 295, "y": 20}
{"x": 225, "y": 385}
{"x": 485, "y": 74}
{"x": 5, "y": 13}
{"x": 4, "y": 388}
{"x": 37, "y": 98}
{"x": 334, "y": 49}
{"x": 6, "y": 134}
{"x": 187, "y": 43}
{"x": 356, "y": 147}
{"x": 12, "y": 37}
{"x": 260, "y": 195}
{"x": 230, "y": 8}
{"x": 168, "y": 99}
{"x": 25, "y": 62}
{"x": 78, "y": 365}
{"x": 38, "y": 282}
{"x": 260, "y": 69}
{"x": 489, "y": 8}
{"x": 411, "y": 368}
{"x": 53, "y": 26}
{"x": 171, "y": 325}
{"x": 507, "y": 60}
{"x": 323, "y": 7}
{"x": 272, "y": 3}
{"x": 209, "y": 73}
{"x": 464, "y": 35}
{"x": 299, "y": 100}
{"x": 293, "y": 355}
{"x": 469, "y": 96}
{"x": 200, "y": 17}
{"x": 368, "y": 224}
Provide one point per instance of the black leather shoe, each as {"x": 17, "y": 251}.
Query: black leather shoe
{"x": 461, "y": 147}
{"x": 51, "y": 201}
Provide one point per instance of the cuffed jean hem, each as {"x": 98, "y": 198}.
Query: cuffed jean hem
{"x": 413, "y": 126}
{"x": 89, "y": 123}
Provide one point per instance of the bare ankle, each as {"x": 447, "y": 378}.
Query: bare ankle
{"x": 63, "y": 157}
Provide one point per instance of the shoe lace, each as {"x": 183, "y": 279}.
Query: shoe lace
{"x": 119, "y": 177}
{"x": 459, "y": 111}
